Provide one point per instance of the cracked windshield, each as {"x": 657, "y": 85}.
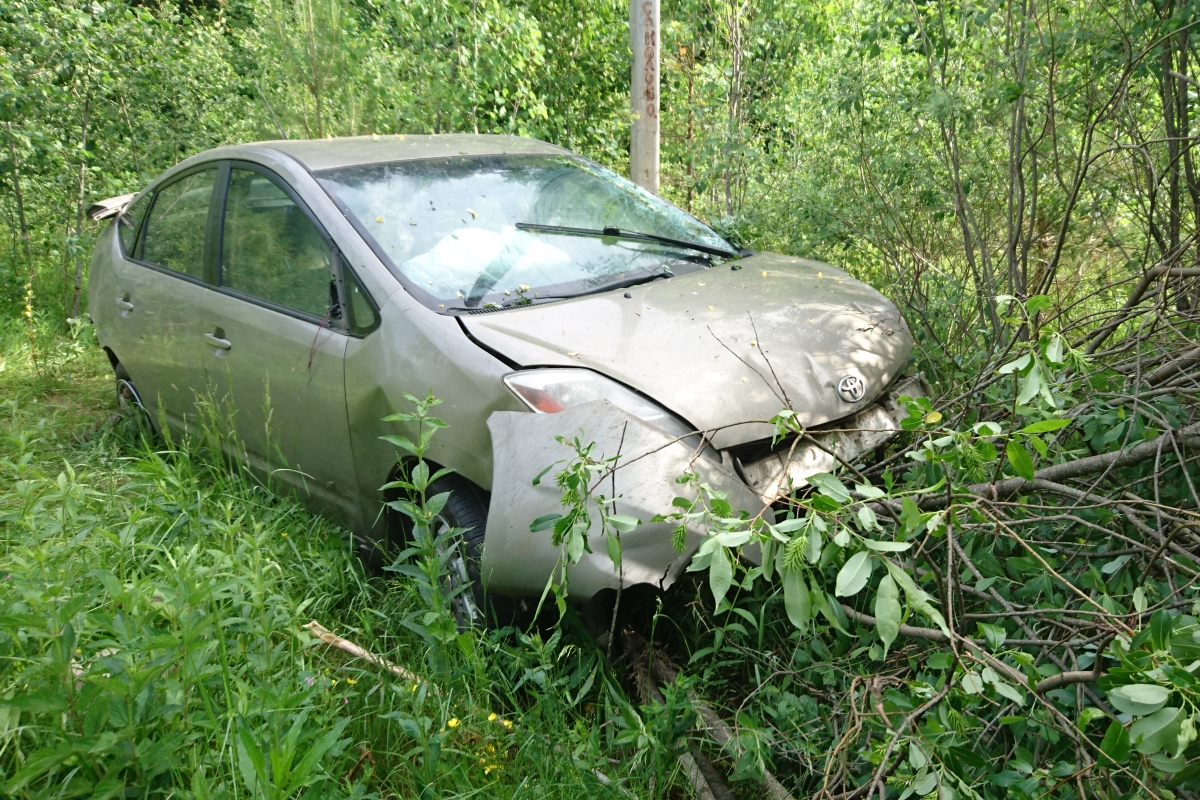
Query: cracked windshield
{"x": 449, "y": 227}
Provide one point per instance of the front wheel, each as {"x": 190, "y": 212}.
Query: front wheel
{"x": 465, "y": 509}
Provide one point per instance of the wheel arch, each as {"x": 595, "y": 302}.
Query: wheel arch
{"x": 392, "y": 528}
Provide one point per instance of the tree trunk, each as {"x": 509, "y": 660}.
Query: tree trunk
{"x": 12, "y": 151}
{"x": 28, "y": 312}
{"x": 1017, "y": 279}
{"x": 77, "y": 296}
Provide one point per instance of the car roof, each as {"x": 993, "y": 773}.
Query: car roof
{"x": 347, "y": 151}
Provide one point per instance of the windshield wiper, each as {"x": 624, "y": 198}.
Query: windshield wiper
{"x": 608, "y": 287}
{"x": 617, "y": 233}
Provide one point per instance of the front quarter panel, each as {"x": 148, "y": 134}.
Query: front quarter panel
{"x": 417, "y": 352}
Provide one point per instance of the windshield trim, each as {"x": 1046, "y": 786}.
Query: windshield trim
{"x": 430, "y": 301}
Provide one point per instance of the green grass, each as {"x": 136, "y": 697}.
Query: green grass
{"x": 151, "y": 641}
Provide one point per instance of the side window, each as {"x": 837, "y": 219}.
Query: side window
{"x": 129, "y": 223}
{"x": 174, "y": 235}
{"x": 270, "y": 248}
{"x": 363, "y": 317}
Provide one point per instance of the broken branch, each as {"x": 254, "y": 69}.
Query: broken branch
{"x": 346, "y": 646}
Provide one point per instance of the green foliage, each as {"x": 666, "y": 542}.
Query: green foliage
{"x": 431, "y": 546}
{"x": 1005, "y": 171}
{"x": 579, "y": 480}
{"x": 152, "y": 606}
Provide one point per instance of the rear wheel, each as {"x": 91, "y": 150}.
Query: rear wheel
{"x": 129, "y": 402}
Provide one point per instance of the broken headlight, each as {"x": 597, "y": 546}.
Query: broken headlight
{"x": 548, "y": 391}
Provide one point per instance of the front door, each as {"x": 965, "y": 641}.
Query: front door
{"x": 275, "y": 345}
{"x": 159, "y": 295}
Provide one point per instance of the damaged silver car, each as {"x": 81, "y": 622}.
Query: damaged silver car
{"x": 307, "y": 286}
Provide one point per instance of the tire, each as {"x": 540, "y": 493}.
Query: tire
{"x": 466, "y": 508}
{"x": 129, "y": 402}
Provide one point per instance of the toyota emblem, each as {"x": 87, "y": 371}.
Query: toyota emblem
{"x": 851, "y": 388}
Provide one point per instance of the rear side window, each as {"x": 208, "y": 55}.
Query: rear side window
{"x": 174, "y": 235}
{"x": 270, "y": 249}
{"x": 129, "y": 223}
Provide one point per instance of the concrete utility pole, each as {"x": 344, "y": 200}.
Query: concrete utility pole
{"x": 643, "y": 95}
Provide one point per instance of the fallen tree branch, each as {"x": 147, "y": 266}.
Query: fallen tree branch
{"x": 929, "y": 634}
{"x": 1134, "y": 300}
{"x": 1173, "y": 367}
{"x": 1187, "y": 436}
{"x": 1129, "y": 514}
{"x": 720, "y": 731}
{"x": 346, "y": 646}
{"x": 635, "y": 649}
{"x": 1041, "y": 687}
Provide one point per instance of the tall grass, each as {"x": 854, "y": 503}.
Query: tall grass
{"x": 152, "y": 600}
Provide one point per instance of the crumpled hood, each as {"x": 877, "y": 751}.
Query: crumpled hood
{"x": 725, "y": 349}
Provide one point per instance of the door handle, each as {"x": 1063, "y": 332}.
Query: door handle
{"x": 218, "y": 341}
{"x": 124, "y": 304}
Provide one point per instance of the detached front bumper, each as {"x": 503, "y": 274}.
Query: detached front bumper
{"x": 821, "y": 451}
{"x": 517, "y": 561}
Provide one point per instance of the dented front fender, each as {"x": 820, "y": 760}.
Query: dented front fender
{"x": 517, "y": 561}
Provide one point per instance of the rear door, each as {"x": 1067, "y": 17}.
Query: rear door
{"x": 276, "y": 341}
{"x": 159, "y": 291}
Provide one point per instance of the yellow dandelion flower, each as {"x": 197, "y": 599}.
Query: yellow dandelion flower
{"x": 351, "y": 681}
{"x": 453, "y": 723}
{"x": 492, "y": 717}
{"x": 507, "y": 723}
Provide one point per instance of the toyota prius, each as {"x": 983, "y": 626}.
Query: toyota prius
{"x": 303, "y": 288}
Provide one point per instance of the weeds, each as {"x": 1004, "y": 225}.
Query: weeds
{"x": 427, "y": 558}
{"x": 151, "y": 640}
